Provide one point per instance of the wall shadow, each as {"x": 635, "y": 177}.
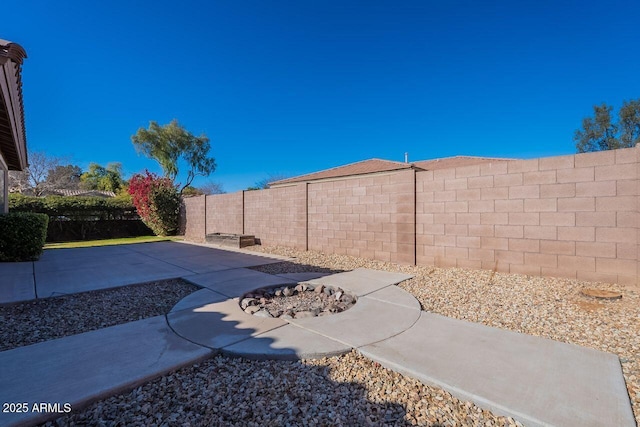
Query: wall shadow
{"x": 224, "y": 390}
{"x": 235, "y": 391}
{"x": 292, "y": 267}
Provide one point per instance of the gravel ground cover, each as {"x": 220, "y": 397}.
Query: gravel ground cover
{"x": 540, "y": 306}
{"x": 352, "y": 390}
{"x": 45, "y": 319}
{"x": 348, "y": 390}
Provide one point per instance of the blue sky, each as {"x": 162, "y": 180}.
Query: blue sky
{"x": 291, "y": 87}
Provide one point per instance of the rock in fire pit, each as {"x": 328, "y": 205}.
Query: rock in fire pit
{"x": 296, "y": 302}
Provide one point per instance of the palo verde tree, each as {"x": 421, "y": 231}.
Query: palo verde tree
{"x": 169, "y": 143}
{"x": 602, "y": 132}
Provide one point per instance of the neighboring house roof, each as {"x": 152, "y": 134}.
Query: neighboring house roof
{"x": 379, "y": 165}
{"x": 13, "y": 145}
{"x": 358, "y": 168}
{"x": 79, "y": 193}
{"x": 457, "y": 161}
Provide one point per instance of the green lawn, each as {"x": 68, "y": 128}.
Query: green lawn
{"x": 108, "y": 242}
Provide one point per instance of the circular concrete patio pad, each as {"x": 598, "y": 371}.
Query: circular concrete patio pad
{"x": 220, "y": 324}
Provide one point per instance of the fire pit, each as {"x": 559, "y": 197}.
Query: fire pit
{"x": 297, "y": 301}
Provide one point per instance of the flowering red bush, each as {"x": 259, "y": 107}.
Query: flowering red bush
{"x": 157, "y": 201}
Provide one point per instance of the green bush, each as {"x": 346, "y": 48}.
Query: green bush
{"x": 22, "y": 236}
{"x": 165, "y": 202}
{"x": 75, "y": 208}
{"x": 82, "y": 218}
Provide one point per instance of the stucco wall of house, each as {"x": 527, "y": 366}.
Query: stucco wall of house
{"x": 570, "y": 216}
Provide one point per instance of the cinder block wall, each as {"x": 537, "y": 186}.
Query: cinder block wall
{"x": 570, "y": 216}
{"x": 371, "y": 217}
{"x": 192, "y": 218}
{"x": 224, "y": 213}
{"x": 277, "y": 216}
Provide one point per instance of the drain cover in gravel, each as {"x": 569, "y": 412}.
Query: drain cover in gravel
{"x": 601, "y": 294}
{"x": 296, "y": 302}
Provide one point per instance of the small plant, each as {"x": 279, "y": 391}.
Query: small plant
{"x": 22, "y": 236}
{"x": 157, "y": 201}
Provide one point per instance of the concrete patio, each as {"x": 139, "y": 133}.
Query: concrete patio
{"x": 67, "y": 271}
{"x": 537, "y": 381}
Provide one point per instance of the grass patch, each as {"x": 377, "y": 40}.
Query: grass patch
{"x": 109, "y": 242}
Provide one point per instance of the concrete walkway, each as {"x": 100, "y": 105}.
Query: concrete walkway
{"x": 67, "y": 271}
{"x": 537, "y": 381}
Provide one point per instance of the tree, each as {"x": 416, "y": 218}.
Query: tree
{"x": 191, "y": 191}
{"x": 64, "y": 177}
{"x": 630, "y": 123}
{"x": 107, "y": 178}
{"x": 265, "y": 183}
{"x": 211, "y": 187}
{"x": 602, "y": 133}
{"x": 169, "y": 143}
{"x": 34, "y": 178}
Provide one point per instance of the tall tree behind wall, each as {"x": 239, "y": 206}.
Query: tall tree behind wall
{"x": 602, "y": 132}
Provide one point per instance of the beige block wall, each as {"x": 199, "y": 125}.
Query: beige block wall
{"x": 570, "y": 216}
{"x": 192, "y": 218}
{"x": 225, "y": 213}
{"x": 277, "y": 216}
{"x": 371, "y": 217}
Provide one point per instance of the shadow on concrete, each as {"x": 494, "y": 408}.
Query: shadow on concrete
{"x": 222, "y": 390}
{"x": 285, "y": 267}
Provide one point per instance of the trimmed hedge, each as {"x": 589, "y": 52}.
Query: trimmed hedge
{"x": 22, "y": 236}
{"x": 83, "y": 218}
{"x": 69, "y": 231}
{"x": 75, "y": 208}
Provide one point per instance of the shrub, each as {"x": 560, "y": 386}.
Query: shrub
{"x": 76, "y": 208}
{"x": 22, "y": 236}
{"x": 157, "y": 202}
{"x": 82, "y": 218}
